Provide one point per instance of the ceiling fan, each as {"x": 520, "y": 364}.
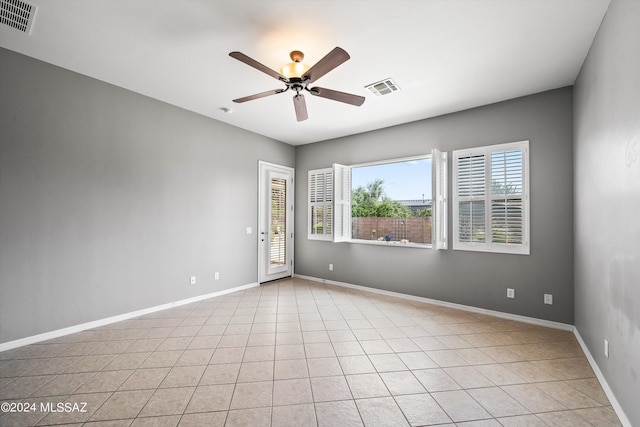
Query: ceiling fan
{"x": 298, "y": 76}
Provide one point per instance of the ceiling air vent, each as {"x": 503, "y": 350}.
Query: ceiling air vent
{"x": 17, "y": 14}
{"x": 383, "y": 87}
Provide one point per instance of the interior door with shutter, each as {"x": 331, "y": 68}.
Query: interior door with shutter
{"x": 275, "y": 237}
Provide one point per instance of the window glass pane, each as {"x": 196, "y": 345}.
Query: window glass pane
{"x": 277, "y": 234}
{"x": 506, "y": 172}
{"x": 328, "y": 220}
{"x": 471, "y": 222}
{"x": 392, "y": 202}
{"x": 317, "y": 220}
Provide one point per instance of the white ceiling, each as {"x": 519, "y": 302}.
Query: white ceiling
{"x": 446, "y": 55}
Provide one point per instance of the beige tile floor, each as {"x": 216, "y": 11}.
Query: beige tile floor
{"x": 299, "y": 353}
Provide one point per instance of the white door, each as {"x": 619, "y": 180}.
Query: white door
{"x": 275, "y": 222}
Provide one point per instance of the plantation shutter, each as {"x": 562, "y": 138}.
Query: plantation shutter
{"x": 328, "y": 207}
{"x": 278, "y": 220}
{"x": 341, "y": 203}
{"x": 491, "y": 198}
{"x": 320, "y": 215}
{"x": 508, "y": 197}
{"x": 439, "y": 202}
{"x": 470, "y": 192}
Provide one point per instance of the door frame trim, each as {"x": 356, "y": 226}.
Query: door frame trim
{"x": 261, "y": 165}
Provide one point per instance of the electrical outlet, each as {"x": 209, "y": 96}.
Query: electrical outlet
{"x": 216, "y": 276}
{"x": 606, "y": 349}
{"x": 330, "y": 267}
{"x": 193, "y": 280}
{"x": 548, "y": 299}
{"x": 511, "y": 293}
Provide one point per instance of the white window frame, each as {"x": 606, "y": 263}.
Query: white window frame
{"x": 341, "y": 197}
{"x": 487, "y": 197}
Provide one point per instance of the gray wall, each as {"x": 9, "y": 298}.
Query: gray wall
{"x": 471, "y": 278}
{"x": 607, "y": 202}
{"x": 109, "y": 200}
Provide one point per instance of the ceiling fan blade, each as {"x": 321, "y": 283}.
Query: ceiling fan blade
{"x": 258, "y": 95}
{"x": 331, "y": 60}
{"x": 335, "y": 95}
{"x": 301, "y": 107}
{"x": 255, "y": 64}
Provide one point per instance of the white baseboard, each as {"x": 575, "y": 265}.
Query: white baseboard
{"x": 500, "y": 314}
{"x": 102, "y": 322}
{"x": 603, "y": 382}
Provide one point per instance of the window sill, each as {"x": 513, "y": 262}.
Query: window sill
{"x": 322, "y": 239}
{"x": 496, "y": 248}
{"x": 391, "y": 244}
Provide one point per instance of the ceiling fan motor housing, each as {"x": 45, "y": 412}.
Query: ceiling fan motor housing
{"x": 297, "y": 84}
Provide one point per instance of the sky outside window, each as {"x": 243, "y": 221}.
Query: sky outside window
{"x": 408, "y": 180}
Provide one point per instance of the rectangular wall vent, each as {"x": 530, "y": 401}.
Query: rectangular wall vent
{"x": 383, "y": 87}
{"x": 17, "y": 14}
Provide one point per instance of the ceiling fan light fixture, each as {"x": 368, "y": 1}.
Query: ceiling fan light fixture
{"x": 296, "y": 68}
